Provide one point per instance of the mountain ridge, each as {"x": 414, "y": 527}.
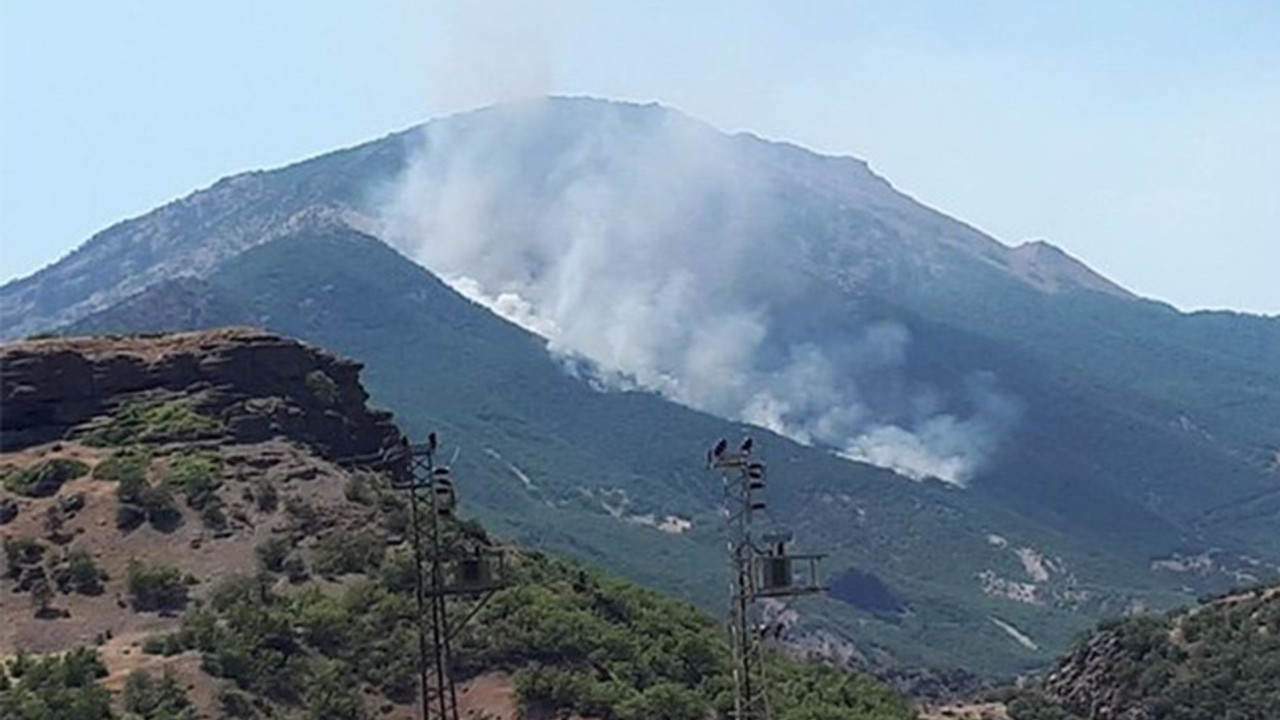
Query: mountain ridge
{"x": 24, "y": 309}
{"x": 1127, "y": 406}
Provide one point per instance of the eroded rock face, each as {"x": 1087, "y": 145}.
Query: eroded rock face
{"x": 1086, "y": 682}
{"x": 257, "y": 385}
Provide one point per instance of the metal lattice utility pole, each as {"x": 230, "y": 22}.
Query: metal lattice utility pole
{"x": 756, "y": 572}
{"x": 476, "y": 574}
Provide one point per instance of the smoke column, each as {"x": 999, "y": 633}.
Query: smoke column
{"x": 653, "y": 246}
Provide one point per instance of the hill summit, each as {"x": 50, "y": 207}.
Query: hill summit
{"x": 254, "y": 385}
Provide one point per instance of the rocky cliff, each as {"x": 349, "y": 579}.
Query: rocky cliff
{"x": 251, "y": 386}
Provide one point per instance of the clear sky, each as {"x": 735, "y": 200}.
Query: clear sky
{"x": 1143, "y": 137}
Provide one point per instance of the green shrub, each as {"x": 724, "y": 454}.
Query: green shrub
{"x": 156, "y": 587}
{"x": 806, "y": 690}
{"x": 54, "y": 687}
{"x": 541, "y": 688}
{"x": 42, "y": 596}
{"x": 235, "y": 704}
{"x": 295, "y": 568}
{"x": 398, "y": 573}
{"x": 213, "y": 516}
{"x": 1033, "y": 707}
{"x": 198, "y": 475}
{"x": 333, "y": 693}
{"x": 8, "y": 510}
{"x": 129, "y": 488}
{"x": 322, "y": 387}
{"x": 166, "y": 645}
{"x": 84, "y": 575}
{"x": 125, "y": 465}
{"x": 153, "y": 420}
{"x": 303, "y": 516}
{"x": 341, "y": 553}
{"x": 162, "y": 512}
{"x": 20, "y": 552}
{"x": 139, "y": 501}
{"x": 44, "y": 479}
{"x": 200, "y": 631}
{"x": 265, "y": 496}
{"x": 55, "y": 520}
{"x": 358, "y": 489}
{"x": 151, "y": 699}
{"x": 272, "y": 554}
{"x": 129, "y": 517}
{"x": 398, "y": 521}
{"x": 664, "y": 701}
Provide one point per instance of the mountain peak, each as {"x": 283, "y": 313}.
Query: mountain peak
{"x": 1050, "y": 268}
{"x": 663, "y": 171}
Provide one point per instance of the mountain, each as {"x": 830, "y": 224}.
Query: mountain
{"x": 1063, "y": 450}
{"x": 215, "y": 529}
{"x": 191, "y": 236}
{"x": 590, "y": 473}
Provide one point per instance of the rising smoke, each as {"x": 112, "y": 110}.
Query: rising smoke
{"x": 658, "y": 249}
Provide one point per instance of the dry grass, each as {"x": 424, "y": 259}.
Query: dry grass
{"x": 191, "y": 547}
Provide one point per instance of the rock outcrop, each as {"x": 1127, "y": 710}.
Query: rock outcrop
{"x": 1086, "y": 681}
{"x": 1214, "y": 660}
{"x": 256, "y": 384}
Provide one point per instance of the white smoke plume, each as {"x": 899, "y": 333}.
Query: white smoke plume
{"x": 652, "y": 246}
{"x": 491, "y": 51}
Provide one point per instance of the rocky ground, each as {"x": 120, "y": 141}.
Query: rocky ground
{"x": 280, "y": 427}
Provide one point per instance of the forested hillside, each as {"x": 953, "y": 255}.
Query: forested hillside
{"x": 1220, "y": 659}
{"x": 207, "y": 529}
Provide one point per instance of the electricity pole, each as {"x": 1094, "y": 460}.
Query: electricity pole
{"x": 757, "y": 573}
{"x": 439, "y": 577}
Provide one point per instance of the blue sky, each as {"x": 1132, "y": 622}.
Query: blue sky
{"x": 1143, "y": 137}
